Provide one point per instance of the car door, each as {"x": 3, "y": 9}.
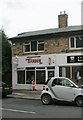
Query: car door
{"x": 64, "y": 89}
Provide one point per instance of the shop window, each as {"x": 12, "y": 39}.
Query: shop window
{"x": 68, "y": 72}
{"x": 30, "y": 76}
{"x": 60, "y": 71}
{"x": 76, "y": 42}
{"x": 75, "y": 70}
{"x": 51, "y": 68}
{"x": 21, "y": 77}
{"x": 42, "y": 68}
{"x": 30, "y": 68}
{"x": 64, "y": 72}
{"x": 40, "y": 77}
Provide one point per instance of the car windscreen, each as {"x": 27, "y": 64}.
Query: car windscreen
{"x": 76, "y": 83}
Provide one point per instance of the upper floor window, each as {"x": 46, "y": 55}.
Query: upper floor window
{"x": 33, "y": 46}
{"x": 76, "y": 42}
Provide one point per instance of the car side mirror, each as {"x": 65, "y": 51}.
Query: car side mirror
{"x": 72, "y": 85}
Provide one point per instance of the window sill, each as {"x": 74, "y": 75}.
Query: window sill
{"x": 33, "y": 52}
{"x": 73, "y": 49}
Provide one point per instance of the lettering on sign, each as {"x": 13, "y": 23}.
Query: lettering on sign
{"x": 34, "y": 61}
{"x": 75, "y": 59}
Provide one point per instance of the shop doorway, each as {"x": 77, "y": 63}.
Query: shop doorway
{"x": 50, "y": 74}
{"x": 40, "y": 77}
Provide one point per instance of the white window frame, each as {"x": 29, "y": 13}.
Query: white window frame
{"x": 26, "y": 43}
{"x": 74, "y": 43}
{"x": 38, "y": 43}
{"x": 29, "y": 43}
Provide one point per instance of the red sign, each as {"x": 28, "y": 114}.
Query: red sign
{"x": 34, "y": 60}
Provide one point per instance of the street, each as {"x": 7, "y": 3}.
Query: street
{"x": 24, "y": 108}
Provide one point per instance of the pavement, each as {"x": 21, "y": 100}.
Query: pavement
{"x": 26, "y": 94}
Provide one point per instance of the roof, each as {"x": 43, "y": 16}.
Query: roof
{"x": 49, "y": 31}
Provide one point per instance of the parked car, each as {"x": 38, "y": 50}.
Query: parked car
{"x": 5, "y": 89}
{"x": 62, "y": 89}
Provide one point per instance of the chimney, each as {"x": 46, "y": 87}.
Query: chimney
{"x": 62, "y": 20}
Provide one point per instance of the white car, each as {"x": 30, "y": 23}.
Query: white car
{"x": 63, "y": 89}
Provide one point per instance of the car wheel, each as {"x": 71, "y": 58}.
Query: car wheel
{"x": 79, "y": 101}
{"x": 46, "y": 99}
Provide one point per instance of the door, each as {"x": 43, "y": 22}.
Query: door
{"x": 64, "y": 89}
{"x": 50, "y": 73}
{"x": 40, "y": 77}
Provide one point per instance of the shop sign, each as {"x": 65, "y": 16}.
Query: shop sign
{"x": 75, "y": 59}
{"x": 34, "y": 61}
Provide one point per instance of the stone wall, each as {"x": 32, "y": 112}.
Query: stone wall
{"x": 51, "y": 45}
{"x": 56, "y": 45}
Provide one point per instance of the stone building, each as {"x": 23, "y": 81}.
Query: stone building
{"x": 39, "y": 55}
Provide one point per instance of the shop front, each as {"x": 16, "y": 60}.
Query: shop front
{"x": 25, "y": 69}
{"x": 71, "y": 67}
{"x": 29, "y": 68}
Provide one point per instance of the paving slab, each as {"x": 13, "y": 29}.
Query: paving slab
{"x": 27, "y": 94}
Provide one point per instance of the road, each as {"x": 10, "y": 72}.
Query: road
{"x": 23, "y": 108}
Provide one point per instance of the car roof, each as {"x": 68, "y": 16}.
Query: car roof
{"x": 59, "y": 77}
{"x": 52, "y": 78}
